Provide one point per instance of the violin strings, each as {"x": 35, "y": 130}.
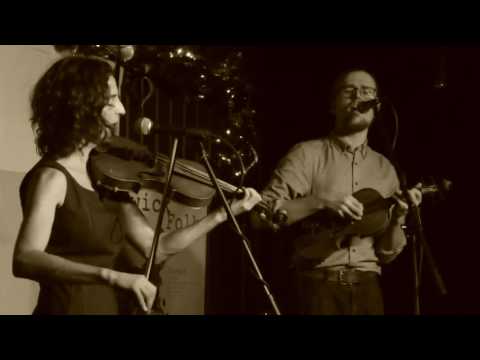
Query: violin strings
{"x": 200, "y": 175}
{"x": 206, "y": 178}
{"x": 203, "y": 176}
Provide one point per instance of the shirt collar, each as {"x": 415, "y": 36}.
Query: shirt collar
{"x": 345, "y": 147}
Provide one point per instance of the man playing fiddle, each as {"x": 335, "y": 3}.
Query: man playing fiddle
{"x": 323, "y": 174}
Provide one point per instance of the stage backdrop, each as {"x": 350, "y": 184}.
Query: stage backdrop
{"x": 20, "y": 68}
{"x": 182, "y": 287}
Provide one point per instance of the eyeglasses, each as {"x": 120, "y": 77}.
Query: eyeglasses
{"x": 364, "y": 91}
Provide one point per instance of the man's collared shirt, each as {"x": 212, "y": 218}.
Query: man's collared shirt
{"x": 326, "y": 166}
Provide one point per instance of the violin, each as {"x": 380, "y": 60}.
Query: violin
{"x": 123, "y": 166}
{"x": 325, "y": 231}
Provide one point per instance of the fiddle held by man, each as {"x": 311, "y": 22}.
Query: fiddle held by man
{"x": 69, "y": 236}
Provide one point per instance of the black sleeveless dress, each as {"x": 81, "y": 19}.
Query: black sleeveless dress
{"x": 86, "y": 230}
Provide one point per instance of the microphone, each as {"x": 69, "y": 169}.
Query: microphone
{"x": 145, "y": 126}
{"x": 364, "y": 106}
{"x": 127, "y": 52}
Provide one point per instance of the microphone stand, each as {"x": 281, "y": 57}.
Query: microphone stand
{"x": 422, "y": 246}
{"x": 232, "y": 218}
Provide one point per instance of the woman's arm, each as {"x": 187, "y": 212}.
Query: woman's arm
{"x": 141, "y": 233}
{"x": 300, "y": 208}
{"x": 46, "y": 193}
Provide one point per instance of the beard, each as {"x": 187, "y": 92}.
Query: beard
{"x": 349, "y": 126}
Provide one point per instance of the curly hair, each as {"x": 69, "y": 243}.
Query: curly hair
{"x": 67, "y": 105}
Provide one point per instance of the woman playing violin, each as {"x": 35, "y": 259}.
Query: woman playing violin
{"x": 70, "y": 237}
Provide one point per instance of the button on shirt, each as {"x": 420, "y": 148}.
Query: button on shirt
{"x": 328, "y": 165}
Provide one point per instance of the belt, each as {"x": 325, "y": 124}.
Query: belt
{"x": 344, "y": 277}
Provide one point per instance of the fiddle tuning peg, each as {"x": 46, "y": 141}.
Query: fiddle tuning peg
{"x": 437, "y": 186}
{"x": 263, "y": 215}
{"x": 280, "y": 217}
{"x": 444, "y": 186}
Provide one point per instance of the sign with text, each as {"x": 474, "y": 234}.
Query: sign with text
{"x": 182, "y": 287}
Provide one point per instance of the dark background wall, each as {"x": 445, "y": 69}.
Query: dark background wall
{"x": 432, "y": 88}
{"x": 438, "y": 137}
